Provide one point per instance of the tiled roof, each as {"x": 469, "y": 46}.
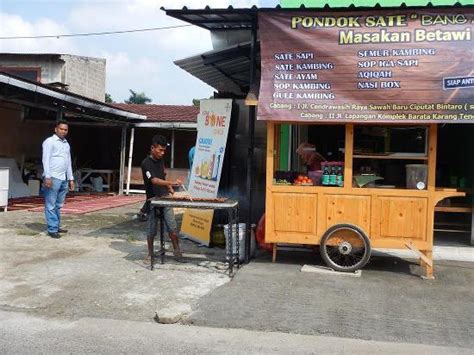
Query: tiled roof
{"x": 162, "y": 113}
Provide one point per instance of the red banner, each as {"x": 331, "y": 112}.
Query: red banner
{"x": 379, "y": 66}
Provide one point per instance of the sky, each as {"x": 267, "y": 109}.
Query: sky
{"x": 142, "y": 61}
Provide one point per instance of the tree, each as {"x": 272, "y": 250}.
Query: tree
{"x": 137, "y": 98}
{"x": 197, "y": 102}
{"x": 108, "y": 98}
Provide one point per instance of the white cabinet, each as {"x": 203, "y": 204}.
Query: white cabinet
{"x": 4, "y": 179}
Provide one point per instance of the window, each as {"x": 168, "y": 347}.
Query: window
{"x": 33, "y": 73}
{"x": 309, "y": 155}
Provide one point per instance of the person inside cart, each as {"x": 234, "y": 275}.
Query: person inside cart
{"x": 310, "y": 157}
{"x": 156, "y": 185}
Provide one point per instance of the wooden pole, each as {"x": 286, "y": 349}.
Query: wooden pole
{"x": 172, "y": 149}
{"x": 348, "y": 152}
{"x": 130, "y": 157}
{"x": 122, "y": 159}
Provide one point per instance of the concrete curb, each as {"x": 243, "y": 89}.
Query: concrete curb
{"x": 328, "y": 271}
{"x": 172, "y": 314}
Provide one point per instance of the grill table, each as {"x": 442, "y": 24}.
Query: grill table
{"x": 232, "y": 208}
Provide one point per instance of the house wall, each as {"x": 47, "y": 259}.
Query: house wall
{"x": 52, "y": 67}
{"x": 84, "y": 75}
{"x": 20, "y": 138}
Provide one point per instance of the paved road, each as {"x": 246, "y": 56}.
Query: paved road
{"x": 29, "y": 334}
{"x": 96, "y": 271}
{"x": 387, "y": 303}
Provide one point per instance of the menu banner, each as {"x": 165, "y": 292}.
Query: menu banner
{"x": 404, "y": 66}
{"x": 213, "y": 124}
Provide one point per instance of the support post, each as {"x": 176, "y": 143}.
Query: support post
{"x": 472, "y": 224}
{"x": 172, "y": 149}
{"x": 348, "y": 155}
{"x": 251, "y": 145}
{"x": 122, "y": 159}
{"x": 130, "y": 158}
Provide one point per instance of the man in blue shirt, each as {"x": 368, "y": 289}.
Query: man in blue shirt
{"x": 57, "y": 174}
{"x": 191, "y": 153}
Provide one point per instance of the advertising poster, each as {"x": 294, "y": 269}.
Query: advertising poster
{"x": 213, "y": 128}
{"x": 403, "y": 66}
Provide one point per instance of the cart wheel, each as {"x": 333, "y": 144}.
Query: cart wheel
{"x": 345, "y": 247}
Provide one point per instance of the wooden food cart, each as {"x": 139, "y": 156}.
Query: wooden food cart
{"x": 360, "y": 71}
{"x": 348, "y": 221}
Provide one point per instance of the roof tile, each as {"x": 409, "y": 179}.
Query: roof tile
{"x": 162, "y": 113}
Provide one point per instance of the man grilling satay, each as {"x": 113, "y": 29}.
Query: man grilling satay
{"x": 156, "y": 185}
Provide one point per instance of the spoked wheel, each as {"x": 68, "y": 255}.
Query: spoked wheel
{"x": 345, "y": 247}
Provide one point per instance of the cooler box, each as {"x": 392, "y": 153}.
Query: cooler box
{"x": 4, "y": 184}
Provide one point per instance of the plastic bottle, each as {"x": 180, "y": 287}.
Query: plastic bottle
{"x": 332, "y": 174}
{"x": 339, "y": 175}
{"x": 217, "y": 166}
{"x": 210, "y": 169}
{"x": 325, "y": 178}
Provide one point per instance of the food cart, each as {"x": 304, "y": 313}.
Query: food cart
{"x": 363, "y": 72}
{"x": 347, "y": 221}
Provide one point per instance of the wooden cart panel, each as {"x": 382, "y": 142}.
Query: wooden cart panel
{"x": 347, "y": 209}
{"x": 295, "y": 212}
{"x": 400, "y": 217}
{"x": 295, "y": 238}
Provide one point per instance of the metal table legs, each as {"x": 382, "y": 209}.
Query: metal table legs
{"x": 162, "y": 237}
{"x": 151, "y": 239}
{"x": 232, "y": 247}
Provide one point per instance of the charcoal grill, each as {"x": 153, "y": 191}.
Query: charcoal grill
{"x": 230, "y": 206}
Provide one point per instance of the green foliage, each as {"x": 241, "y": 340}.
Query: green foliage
{"x": 137, "y": 98}
{"x": 108, "y": 98}
{"x": 197, "y": 102}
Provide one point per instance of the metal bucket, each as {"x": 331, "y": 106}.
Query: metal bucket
{"x": 241, "y": 236}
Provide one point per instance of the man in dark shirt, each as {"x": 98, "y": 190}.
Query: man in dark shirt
{"x": 156, "y": 185}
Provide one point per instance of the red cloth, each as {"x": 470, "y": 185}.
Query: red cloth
{"x": 260, "y": 236}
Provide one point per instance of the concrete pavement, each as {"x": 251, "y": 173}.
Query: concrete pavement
{"x": 33, "y": 335}
{"x": 387, "y": 303}
{"x": 97, "y": 269}
{"x": 95, "y": 275}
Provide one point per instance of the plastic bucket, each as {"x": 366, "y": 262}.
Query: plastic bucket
{"x": 417, "y": 176}
{"x": 97, "y": 184}
{"x": 241, "y": 235}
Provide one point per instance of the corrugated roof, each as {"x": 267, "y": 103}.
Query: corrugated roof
{"x": 226, "y": 70}
{"x": 32, "y": 93}
{"x": 231, "y": 18}
{"x": 162, "y": 113}
{"x": 372, "y": 3}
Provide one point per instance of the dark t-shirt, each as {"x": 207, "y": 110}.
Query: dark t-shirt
{"x": 152, "y": 168}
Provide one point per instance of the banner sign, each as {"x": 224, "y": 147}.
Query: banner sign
{"x": 213, "y": 127}
{"x": 373, "y": 66}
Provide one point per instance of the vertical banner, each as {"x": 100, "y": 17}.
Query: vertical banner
{"x": 213, "y": 128}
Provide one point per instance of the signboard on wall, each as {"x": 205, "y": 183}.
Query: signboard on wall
{"x": 373, "y": 66}
{"x": 213, "y": 127}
